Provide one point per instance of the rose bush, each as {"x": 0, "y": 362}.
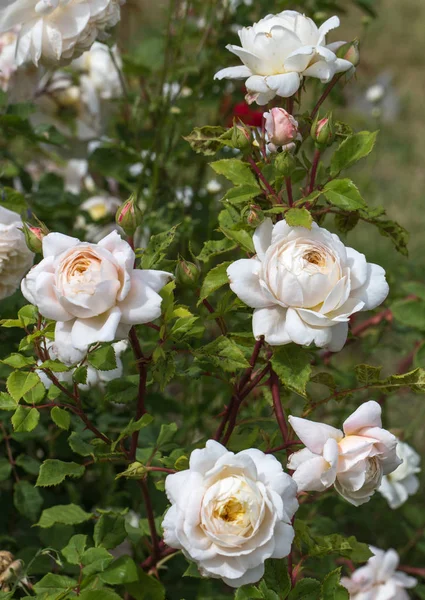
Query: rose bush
{"x": 305, "y": 285}
{"x": 230, "y": 512}
{"x": 354, "y": 461}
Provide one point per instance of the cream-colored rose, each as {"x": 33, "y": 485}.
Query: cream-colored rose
{"x": 15, "y": 257}
{"x": 403, "y": 482}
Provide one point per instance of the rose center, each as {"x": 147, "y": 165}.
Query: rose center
{"x": 232, "y": 510}
{"x": 315, "y": 258}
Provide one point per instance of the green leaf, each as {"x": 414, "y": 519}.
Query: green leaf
{"x": 25, "y": 419}
{"x": 121, "y": 571}
{"x": 27, "y": 500}
{"x": 208, "y": 140}
{"x": 95, "y": 560}
{"x": 7, "y": 402}
{"x": 67, "y": 514}
{"x": 132, "y": 427}
{"x": 213, "y": 248}
{"x": 332, "y": 588}
{"x": 166, "y": 434}
{"x": 74, "y": 550}
{"x": 54, "y": 585}
{"x": 103, "y": 594}
{"x": 18, "y": 361}
{"x": 345, "y": 222}
{"x": 36, "y": 394}
{"x": 368, "y": 374}
{"x": 19, "y": 383}
{"x": 79, "y": 446}
{"x": 53, "y": 472}
{"x": 55, "y": 366}
{"x": 192, "y": 571}
{"x": 224, "y": 354}
{"x": 343, "y": 194}
{"x": 277, "y": 577}
{"x": 351, "y": 150}
{"x": 61, "y": 417}
{"x": 248, "y": 592}
{"x": 292, "y": 365}
{"x": 13, "y": 200}
{"x": 306, "y": 589}
{"x": 395, "y": 232}
{"x": 155, "y": 251}
{"x": 410, "y": 312}
{"x": 241, "y": 194}
{"x": 299, "y": 217}
{"x": 242, "y": 237}
{"x": 319, "y": 546}
{"x": 28, "y": 464}
{"x": 5, "y": 469}
{"x": 236, "y": 171}
{"x": 146, "y": 588}
{"x": 214, "y": 280}
{"x": 103, "y": 359}
{"x": 415, "y": 288}
{"x": 109, "y": 531}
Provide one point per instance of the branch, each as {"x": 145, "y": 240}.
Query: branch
{"x": 140, "y": 410}
{"x": 151, "y": 520}
{"x": 264, "y": 180}
{"x": 325, "y": 94}
{"x": 314, "y": 167}
{"x": 278, "y": 408}
{"x": 219, "y": 320}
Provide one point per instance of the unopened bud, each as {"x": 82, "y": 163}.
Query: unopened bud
{"x": 241, "y": 137}
{"x": 129, "y": 216}
{"x": 323, "y": 131}
{"x": 254, "y": 215}
{"x": 187, "y": 273}
{"x": 350, "y": 51}
{"x": 281, "y": 129}
{"x": 34, "y": 236}
{"x": 285, "y": 163}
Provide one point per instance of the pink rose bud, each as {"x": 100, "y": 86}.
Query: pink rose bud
{"x": 34, "y": 236}
{"x": 129, "y": 216}
{"x": 323, "y": 131}
{"x": 281, "y": 129}
{"x": 350, "y": 51}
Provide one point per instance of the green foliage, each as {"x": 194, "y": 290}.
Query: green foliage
{"x": 351, "y": 150}
{"x": 53, "y": 472}
{"x": 343, "y": 194}
{"x": 292, "y": 365}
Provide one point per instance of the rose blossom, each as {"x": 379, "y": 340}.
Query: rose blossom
{"x": 230, "y": 512}
{"x": 378, "y": 578}
{"x": 304, "y": 285}
{"x": 281, "y": 129}
{"x": 55, "y": 31}
{"x": 15, "y": 257}
{"x": 92, "y": 290}
{"x": 279, "y": 50}
{"x": 353, "y": 461}
{"x": 402, "y": 483}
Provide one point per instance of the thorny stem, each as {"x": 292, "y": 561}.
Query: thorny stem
{"x": 140, "y": 410}
{"x": 151, "y": 520}
{"x": 263, "y": 180}
{"x": 316, "y": 160}
{"x": 278, "y": 408}
{"x": 325, "y": 94}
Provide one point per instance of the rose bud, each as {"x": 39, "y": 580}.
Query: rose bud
{"x": 34, "y": 236}
{"x": 187, "y": 273}
{"x": 129, "y": 216}
{"x": 242, "y": 137}
{"x": 254, "y": 216}
{"x": 281, "y": 129}
{"x": 350, "y": 51}
{"x": 323, "y": 131}
{"x": 285, "y": 164}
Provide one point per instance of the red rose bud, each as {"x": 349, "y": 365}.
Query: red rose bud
{"x": 34, "y": 236}
{"x": 129, "y": 216}
{"x": 254, "y": 215}
{"x": 350, "y": 51}
{"x": 323, "y": 131}
{"x": 187, "y": 273}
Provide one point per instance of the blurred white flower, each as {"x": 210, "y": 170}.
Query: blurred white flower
{"x": 213, "y": 186}
{"x": 279, "y": 50}
{"x": 56, "y": 31}
{"x": 304, "y": 285}
{"x": 8, "y": 64}
{"x": 99, "y": 208}
{"x": 230, "y": 512}
{"x": 77, "y": 177}
{"x": 15, "y": 257}
{"x": 185, "y": 195}
{"x": 375, "y": 93}
{"x": 402, "y": 483}
{"x": 233, "y": 5}
{"x": 353, "y": 461}
{"x": 98, "y": 66}
{"x": 378, "y": 579}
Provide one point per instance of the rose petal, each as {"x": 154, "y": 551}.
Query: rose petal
{"x": 245, "y": 283}
{"x": 314, "y": 435}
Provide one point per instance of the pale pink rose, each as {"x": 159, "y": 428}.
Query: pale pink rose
{"x": 281, "y": 129}
{"x": 378, "y": 579}
{"x": 92, "y": 290}
{"x": 354, "y": 461}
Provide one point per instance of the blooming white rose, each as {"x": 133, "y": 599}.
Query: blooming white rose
{"x": 278, "y": 51}
{"x": 15, "y": 257}
{"x": 402, "y": 483}
{"x": 378, "y": 579}
{"x": 92, "y": 290}
{"x": 353, "y": 461}
{"x": 231, "y": 512}
{"x": 71, "y": 356}
{"x": 55, "y": 31}
{"x": 304, "y": 285}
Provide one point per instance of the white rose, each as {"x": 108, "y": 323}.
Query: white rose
{"x": 278, "y": 51}
{"x": 97, "y": 66}
{"x": 402, "y": 483}
{"x": 353, "y": 461}
{"x": 230, "y": 512}
{"x": 7, "y": 58}
{"x": 92, "y": 290}
{"x": 55, "y": 31}
{"x": 378, "y": 579}
{"x": 15, "y": 257}
{"x": 304, "y": 285}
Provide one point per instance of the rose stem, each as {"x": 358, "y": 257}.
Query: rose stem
{"x": 278, "y": 408}
{"x": 219, "y": 320}
{"x": 325, "y": 94}
{"x": 263, "y": 180}
{"x": 288, "y": 184}
{"x": 314, "y": 166}
{"x": 151, "y": 519}
{"x": 140, "y": 410}
{"x": 283, "y": 446}
{"x": 12, "y": 462}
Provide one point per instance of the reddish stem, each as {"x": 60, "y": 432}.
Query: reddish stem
{"x": 314, "y": 166}
{"x": 283, "y": 446}
{"x": 151, "y": 520}
{"x": 278, "y": 408}
{"x": 264, "y": 180}
{"x": 384, "y": 315}
{"x": 325, "y": 94}
{"x": 288, "y": 184}
{"x": 413, "y": 570}
{"x": 140, "y": 410}
{"x": 220, "y": 322}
